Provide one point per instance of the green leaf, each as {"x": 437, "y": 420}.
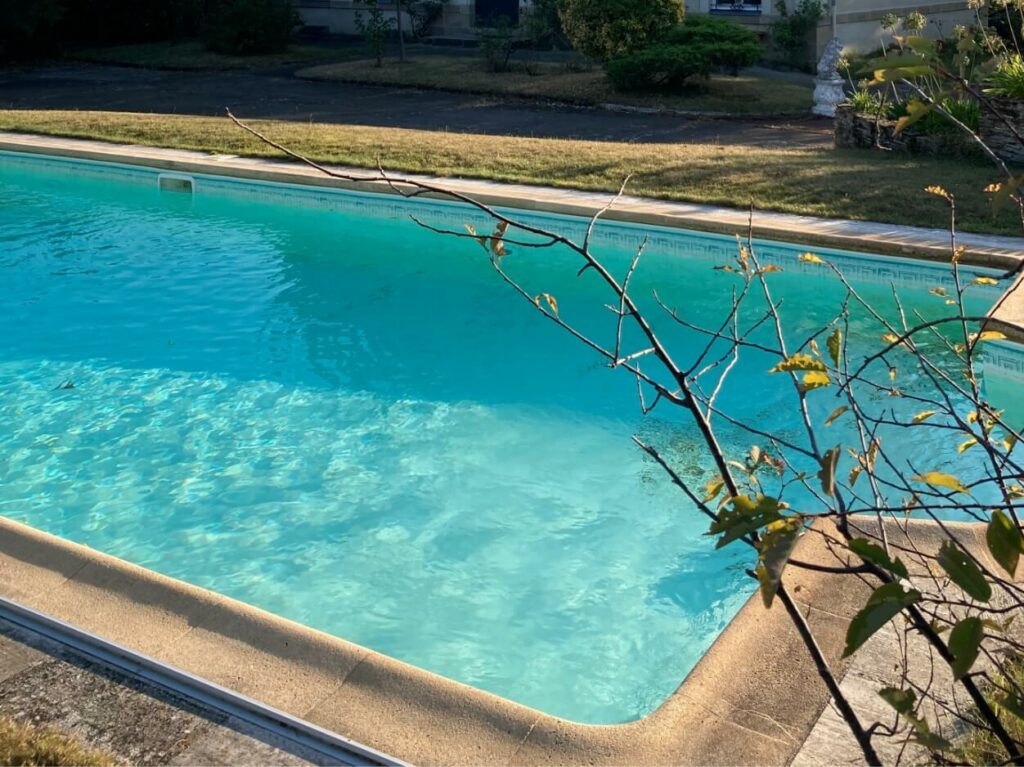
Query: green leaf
{"x": 901, "y": 700}
{"x": 799, "y": 362}
{"x": 744, "y": 516}
{"x": 963, "y": 572}
{"x": 904, "y": 701}
{"x": 1011, "y": 703}
{"x": 827, "y": 473}
{"x": 964, "y": 644}
{"x": 1005, "y": 541}
{"x": 882, "y": 606}
{"x": 774, "y": 550}
{"x": 915, "y": 111}
{"x": 875, "y": 554}
{"x": 835, "y": 414}
{"x": 938, "y": 479}
{"x": 835, "y": 345}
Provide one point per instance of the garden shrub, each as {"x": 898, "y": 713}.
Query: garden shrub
{"x": 609, "y": 29}
{"x": 659, "y": 67}
{"x": 790, "y": 34}
{"x": 731, "y": 46}
{"x": 497, "y": 45}
{"x": 26, "y": 28}
{"x": 249, "y": 26}
{"x": 1008, "y": 80}
{"x": 118, "y": 22}
{"x": 543, "y": 26}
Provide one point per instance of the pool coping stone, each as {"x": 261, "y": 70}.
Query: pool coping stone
{"x": 752, "y": 699}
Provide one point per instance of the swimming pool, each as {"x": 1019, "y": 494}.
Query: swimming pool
{"x": 300, "y": 399}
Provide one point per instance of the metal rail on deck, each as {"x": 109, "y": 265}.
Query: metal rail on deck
{"x": 336, "y": 748}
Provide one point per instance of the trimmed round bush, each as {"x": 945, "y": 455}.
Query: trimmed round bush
{"x": 608, "y": 29}
{"x": 660, "y": 67}
{"x": 243, "y": 27}
{"x": 731, "y": 46}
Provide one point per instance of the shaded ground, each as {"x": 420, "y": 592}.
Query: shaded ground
{"x": 276, "y": 94}
{"x": 43, "y": 683}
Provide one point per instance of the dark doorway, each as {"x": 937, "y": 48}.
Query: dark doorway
{"x": 488, "y": 12}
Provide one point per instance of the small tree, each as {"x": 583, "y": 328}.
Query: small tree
{"x": 375, "y": 28}
{"x": 606, "y": 29}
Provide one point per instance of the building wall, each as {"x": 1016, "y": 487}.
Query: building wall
{"x": 858, "y": 20}
{"x": 339, "y": 16}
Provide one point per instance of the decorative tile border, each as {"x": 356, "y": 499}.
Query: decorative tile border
{"x": 703, "y": 246}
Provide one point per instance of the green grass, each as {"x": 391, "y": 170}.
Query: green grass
{"x": 863, "y": 185}
{"x": 23, "y": 745}
{"x": 980, "y": 747}
{"x": 191, "y": 55}
{"x": 560, "y": 82}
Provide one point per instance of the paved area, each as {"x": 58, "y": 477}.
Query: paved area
{"x": 44, "y": 683}
{"x": 276, "y": 94}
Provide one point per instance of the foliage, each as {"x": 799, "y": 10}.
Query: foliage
{"x": 660, "y": 67}
{"x": 791, "y": 32}
{"x": 543, "y": 26}
{"x": 246, "y": 27}
{"x": 423, "y": 14}
{"x": 608, "y": 29}
{"x": 729, "y": 46}
{"x": 1008, "y": 79}
{"x": 498, "y": 43}
{"x": 23, "y": 745}
{"x": 864, "y": 101}
{"x": 27, "y": 28}
{"x": 375, "y": 28}
{"x": 980, "y": 747}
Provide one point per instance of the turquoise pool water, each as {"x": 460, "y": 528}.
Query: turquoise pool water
{"x": 304, "y": 401}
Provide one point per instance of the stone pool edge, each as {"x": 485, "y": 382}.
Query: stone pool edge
{"x": 752, "y": 699}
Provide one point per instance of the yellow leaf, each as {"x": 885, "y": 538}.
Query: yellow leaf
{"x": 835, "y": 345}
{"x": 799, "y": 362}
{"x": 991, "y": 335}
{"x": 855, "y": 474}
{"x": 713, "y": 488}
{"x": 770, "y": 269}
{"x": 1015, "y": 491}
{"x": 815, "y": 379}
{"x": 972, "y": 417}
{"x": 835, "y": 414}
{"x": 810, "y": 258}
{"x": 941, "y": 292}
{"x": 891, "y": 338}
{"x": 550, "y": 299}
{"x": 967, "y": 445}
{"x": 984, "y": 281}
{"x": 924, "y": 415}
{"x": 938, "y": 479}
{"x": 1009, "y": 443}
{"x": 938, "y": 191}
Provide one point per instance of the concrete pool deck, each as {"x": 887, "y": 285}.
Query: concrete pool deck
{"x": 752, "y": 699}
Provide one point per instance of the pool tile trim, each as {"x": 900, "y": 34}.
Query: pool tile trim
{"x": 992, "y": 251}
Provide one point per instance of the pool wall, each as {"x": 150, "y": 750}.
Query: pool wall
{"x": 753, "y": 697}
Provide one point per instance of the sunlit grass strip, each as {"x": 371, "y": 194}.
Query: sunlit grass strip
{"x": 23, "y": 744}
{"x": 852, "y": 184}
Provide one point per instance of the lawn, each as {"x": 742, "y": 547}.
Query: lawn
{"x": 570, "y": 83}
{"x": 22, "y": 744}
{"x": 191, "y": 55}
{"x": 864, "y": 185}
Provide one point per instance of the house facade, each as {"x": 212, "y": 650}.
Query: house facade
{"x": 858, "y": 21}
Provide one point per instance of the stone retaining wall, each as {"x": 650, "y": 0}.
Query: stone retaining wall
{"x": 998, "y": 135}
{"x": 854, "y": 130}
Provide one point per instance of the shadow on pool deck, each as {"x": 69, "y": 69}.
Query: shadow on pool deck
{"x": 46, "y": 684}
{"x": 275, "y": 94}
